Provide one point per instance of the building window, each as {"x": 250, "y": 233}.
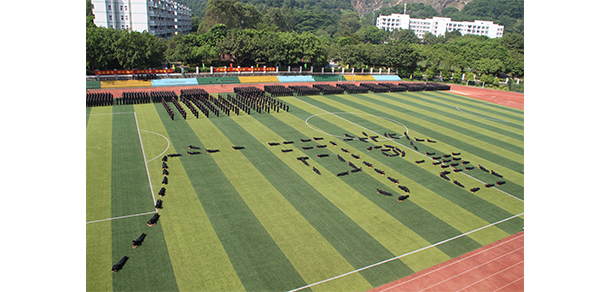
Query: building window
{"x": 109, "y": 17}
{"x": 122, "y": 26}
{"x": 125, "y": 7}
{"x": 122, "y": 17}
{"x": 121, "y": 7}
{"x": 126, "y": 17}
{"x": 109, "y": 7}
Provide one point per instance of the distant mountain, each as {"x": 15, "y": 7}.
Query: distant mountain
{"x": 361, "y": 6}
{"x": 365, "y": 6}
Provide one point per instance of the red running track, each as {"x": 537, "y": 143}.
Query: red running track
{"x": 496, "y": 267}
{"x": 507, "y": 98}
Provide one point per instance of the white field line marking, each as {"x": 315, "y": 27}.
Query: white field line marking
{"x": 490, "y": 276}
{"x": 463, "y": 259}
{"x": 393, "y": 140}
{"x": 109, "y": 114}
{"x": 342, "y": 137}
{"x": 163, "y": 138}
{"x": 145, "y": 163}
{"x": 494, "y": 186}
{"x": 496, "y": 119}
{"x": 121, "y": 217}
{"x": 476, "y": 267}
{"x": 406, "y": 254}
{"x": 508, "y": 284}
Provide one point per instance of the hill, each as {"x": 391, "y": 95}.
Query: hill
{"x": 365, "y": 6}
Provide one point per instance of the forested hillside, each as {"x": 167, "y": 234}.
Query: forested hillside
{"x": 257, "y": 33}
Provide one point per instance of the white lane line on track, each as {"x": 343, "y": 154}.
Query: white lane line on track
{"x": 476, "y": 267}
{"x": 521, "y": 262}
{"x": 508, "y": 284}
{"x": 403, "y": 255}
{"x": 453, "y": 263}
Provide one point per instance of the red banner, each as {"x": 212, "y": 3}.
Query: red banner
{"x": 245, "y": 69}
{"x": 129, "y": 72}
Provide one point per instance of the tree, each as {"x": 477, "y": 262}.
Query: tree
{"x": 231, "y": 13}
{"x": 513, "y": 41}
{"x": 195, "y": 21}
{"x": 430, "y": 73}
{"x": 241, "y": 44}
{"x": 400, "y": 55}
{"x": 430, "y": 39}
{"x": 404, "y": 35}
{"x": 372, "y": 34}
{"x": 349, "y": 23}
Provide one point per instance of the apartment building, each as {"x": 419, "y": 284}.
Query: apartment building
{"x": 439, "y": 25}
{"x": 162, "y": 18}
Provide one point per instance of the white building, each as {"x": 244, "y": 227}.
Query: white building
{"x": 162, "y": 18}
{"x": 439, "y": 25}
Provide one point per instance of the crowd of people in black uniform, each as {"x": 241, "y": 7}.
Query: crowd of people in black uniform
{"x": 248, "y": 93}
{"x": 133, "y": 97}
{"x": 301, "y": 90}
{"x": 327, "y": 89}
{"x": 278, "y": 90}
{"x": 376, "y": 88}
{"x": 99, "y": 99}
{"x": 256, "y": 99}
{"x": 351, "y": 88}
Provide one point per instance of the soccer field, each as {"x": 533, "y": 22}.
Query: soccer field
{"x": 258, "y": 219}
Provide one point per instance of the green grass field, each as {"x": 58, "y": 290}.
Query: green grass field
{"x": 258, "y": 219}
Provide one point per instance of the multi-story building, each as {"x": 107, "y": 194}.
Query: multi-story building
{"x": 439, "y": 25}
{"x": 162, "y": 18}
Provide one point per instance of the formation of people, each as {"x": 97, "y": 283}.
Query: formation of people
{"x": 99, "y": 99}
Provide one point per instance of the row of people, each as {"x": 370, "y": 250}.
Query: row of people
{"x": 99, "y": 99}
{"x": 134, "y": 97}
{"x": 375, "y": 87}
{"x": 327, "y": 89}
{"x": 301, "y": 90}
{"x": 351, "y": 88}
{"x": 278, "y": 90}
{"x": 393, "y": 87}
{"x": 157, "y": 95}
{"x": 168, "y": 109}
{"x": 200, "y": 98}
{"x": 178, "y": 106}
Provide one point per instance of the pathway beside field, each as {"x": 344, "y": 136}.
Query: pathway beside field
{"x": 496, "y": 267}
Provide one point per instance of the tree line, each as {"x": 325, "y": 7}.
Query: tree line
{"x": 275, "y": 44}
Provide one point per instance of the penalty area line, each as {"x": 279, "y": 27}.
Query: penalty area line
{"x": 121, "y": 217}
{"x": 406, "y": 254}
{"x": 152, "y": 192}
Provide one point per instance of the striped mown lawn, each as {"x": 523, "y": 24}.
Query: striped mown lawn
{"x": 258, "y": 219}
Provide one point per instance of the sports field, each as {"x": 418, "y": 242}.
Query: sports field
{"x": 258, "y": 219}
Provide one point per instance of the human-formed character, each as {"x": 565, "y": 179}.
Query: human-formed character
{"x": 138, "y": 241}
{"x": 119, "y": 266}
{"x": 153, "y": 220}
{"x": 402, "y": 198}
